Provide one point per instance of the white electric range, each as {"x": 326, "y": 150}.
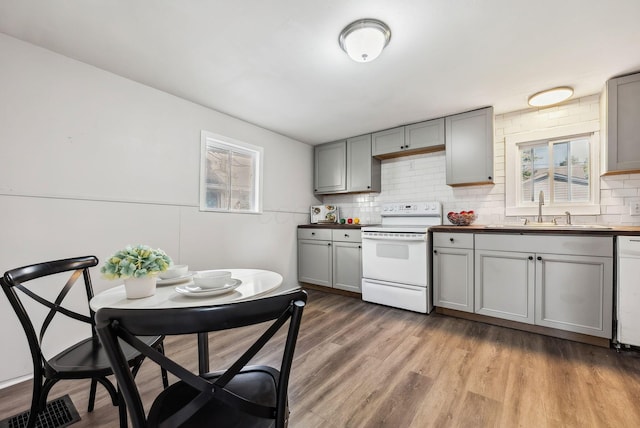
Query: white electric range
{"x": 395, "y": 258}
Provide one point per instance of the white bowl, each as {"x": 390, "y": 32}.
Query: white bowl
{"x": 212, "y": 278}
{"x": 174, "y": 271}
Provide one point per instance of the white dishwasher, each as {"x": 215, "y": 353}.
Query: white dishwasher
{"x": 628, "y": 300}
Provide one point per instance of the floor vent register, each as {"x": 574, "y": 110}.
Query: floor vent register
{"x": 59, "y": 413}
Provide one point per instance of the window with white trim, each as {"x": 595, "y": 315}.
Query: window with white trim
{"x": 230, "y": 175}
{"x": 562, "y": 163}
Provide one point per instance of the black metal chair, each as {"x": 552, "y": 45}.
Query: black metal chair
{"x": 85, "y": 359}
{"x": 240, "y": 396}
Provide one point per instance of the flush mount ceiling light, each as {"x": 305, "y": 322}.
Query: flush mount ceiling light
{"x": 364, "y": 39}
{"x": 550, "y": 96}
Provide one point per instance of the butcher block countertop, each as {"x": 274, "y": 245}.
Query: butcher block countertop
{"x": 551, "y": 230}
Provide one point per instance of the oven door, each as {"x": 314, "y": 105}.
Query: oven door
{"x": 395, "y": 257}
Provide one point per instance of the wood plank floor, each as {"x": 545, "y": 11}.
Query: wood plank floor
{"x": 364, "y": 365}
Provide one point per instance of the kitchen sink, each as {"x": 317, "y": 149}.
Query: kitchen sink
{"x": 548, "y": 226}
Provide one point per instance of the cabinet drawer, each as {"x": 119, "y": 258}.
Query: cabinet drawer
{"x": 553, "y": 244}
{"x": 320, "y": 234}
{"x": 346, "y": 235}
{"x": 453, "y": 240}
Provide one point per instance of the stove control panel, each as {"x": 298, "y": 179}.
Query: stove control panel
{"x": 422, "y": 209}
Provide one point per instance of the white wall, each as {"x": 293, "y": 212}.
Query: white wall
{"x": 92, "y": 162}
{"x": 422, "y": 177}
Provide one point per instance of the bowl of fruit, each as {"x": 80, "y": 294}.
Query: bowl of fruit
{"x": 463, "y": 218}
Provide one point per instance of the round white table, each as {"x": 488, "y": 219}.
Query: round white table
{"x": 255, "y": 284}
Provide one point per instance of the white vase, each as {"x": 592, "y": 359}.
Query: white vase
{"x": 137, "y": 288}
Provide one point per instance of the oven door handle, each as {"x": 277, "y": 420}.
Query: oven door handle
{"x": 393, "y": 284}
{"x": 399, "y": 239}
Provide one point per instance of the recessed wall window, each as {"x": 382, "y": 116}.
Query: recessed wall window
{"x": 230, "y": 175}
{"x": 564, "y": 167}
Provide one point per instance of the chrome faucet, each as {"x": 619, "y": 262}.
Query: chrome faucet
{"x": 540, "y": 204}
{"x": 568, "y": 217}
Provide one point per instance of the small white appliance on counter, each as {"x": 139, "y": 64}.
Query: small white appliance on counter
{"x": 324, "y": 214}
{"x": 628, "y": 301}
{"x": 395, "y": 256}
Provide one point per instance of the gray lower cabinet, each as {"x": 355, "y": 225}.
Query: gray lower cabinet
{"x": 453, "y": 271}
{"x": 469, "y": 147}
{"x": 346, "y": 166}
{"x": 621, "y": 104}
{"x": 315, "y": 256}
{"x": 571, "y": 289}
{"x": 330, "y": 257}
{"x": 347, "y": 260}
{"x": 575, "y": 293}
{"x": 504, "y": 285}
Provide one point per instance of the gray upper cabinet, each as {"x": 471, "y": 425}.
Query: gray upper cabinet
{"x": 420, "y": 137}
{"x": 388, "y": 141}
{"x": 346, "y": 166}
{"x": 429, "y": 134}
{"x": 330, "y": 172}
{"x": 622, "y": 127}
{"x": 363, "y": 171}
{"x": 469, "y": 147}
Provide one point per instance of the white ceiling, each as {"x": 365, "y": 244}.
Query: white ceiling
{"x": 277, "y": 63}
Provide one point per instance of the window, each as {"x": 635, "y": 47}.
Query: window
{"x": 230, "y": 175}
{"x": 558, "y": 168}
{"x": 563, "y": 167}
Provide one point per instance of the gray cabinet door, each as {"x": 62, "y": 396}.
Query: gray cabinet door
{"x": 315, "y": 261}
{"x": 623, "y": 124}
{"x": 469, "y": 147}
{"x": 575, "y": 293}
{"x": 363, "y": 171}
{"x": 424, "y": 134}
{"x": 347, "y": 266}
{"x": 388, "y": 141}
{"x": 504, "y": 285}
{"x": 330, "y": 172}
{"x": 453, "y": 278}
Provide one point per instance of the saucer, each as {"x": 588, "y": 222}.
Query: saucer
{"x": 176, "y": 280}
{"x": 195, "y": 291}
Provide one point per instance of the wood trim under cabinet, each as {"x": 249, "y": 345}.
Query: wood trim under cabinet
{"x": 479, "y": 183}
{"x": 561, "y": 334}
{"x": 411, "y": 152}
{"x": 625, "y": 171}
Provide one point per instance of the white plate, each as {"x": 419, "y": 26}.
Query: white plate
{"x": 195, "y": 291}
{"x": 176, "y": 280}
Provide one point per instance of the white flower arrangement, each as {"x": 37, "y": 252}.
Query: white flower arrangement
{"x": 136, "y": 262}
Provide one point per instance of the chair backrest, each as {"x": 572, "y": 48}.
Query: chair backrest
{"x": 16, "y": 279}
{"x": 126, "y": 324}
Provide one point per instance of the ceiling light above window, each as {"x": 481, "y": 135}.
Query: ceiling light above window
{"x": 550, "y": 96}
{"x": 364, "y": 39}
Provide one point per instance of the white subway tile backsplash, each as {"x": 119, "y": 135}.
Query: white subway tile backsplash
{"x": 627, "y": 191}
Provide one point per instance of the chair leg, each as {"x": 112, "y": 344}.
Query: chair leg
{"x": 122, "y": 410}
{"x": 92, "y": 395}
{"x": 110, "y": 389}
{"x": 35, "y": 401}
{"x": 163, "y": 371}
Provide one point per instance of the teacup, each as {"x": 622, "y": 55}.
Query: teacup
{"x": 212, "y": 278}
{"x": 174, "y": 271}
